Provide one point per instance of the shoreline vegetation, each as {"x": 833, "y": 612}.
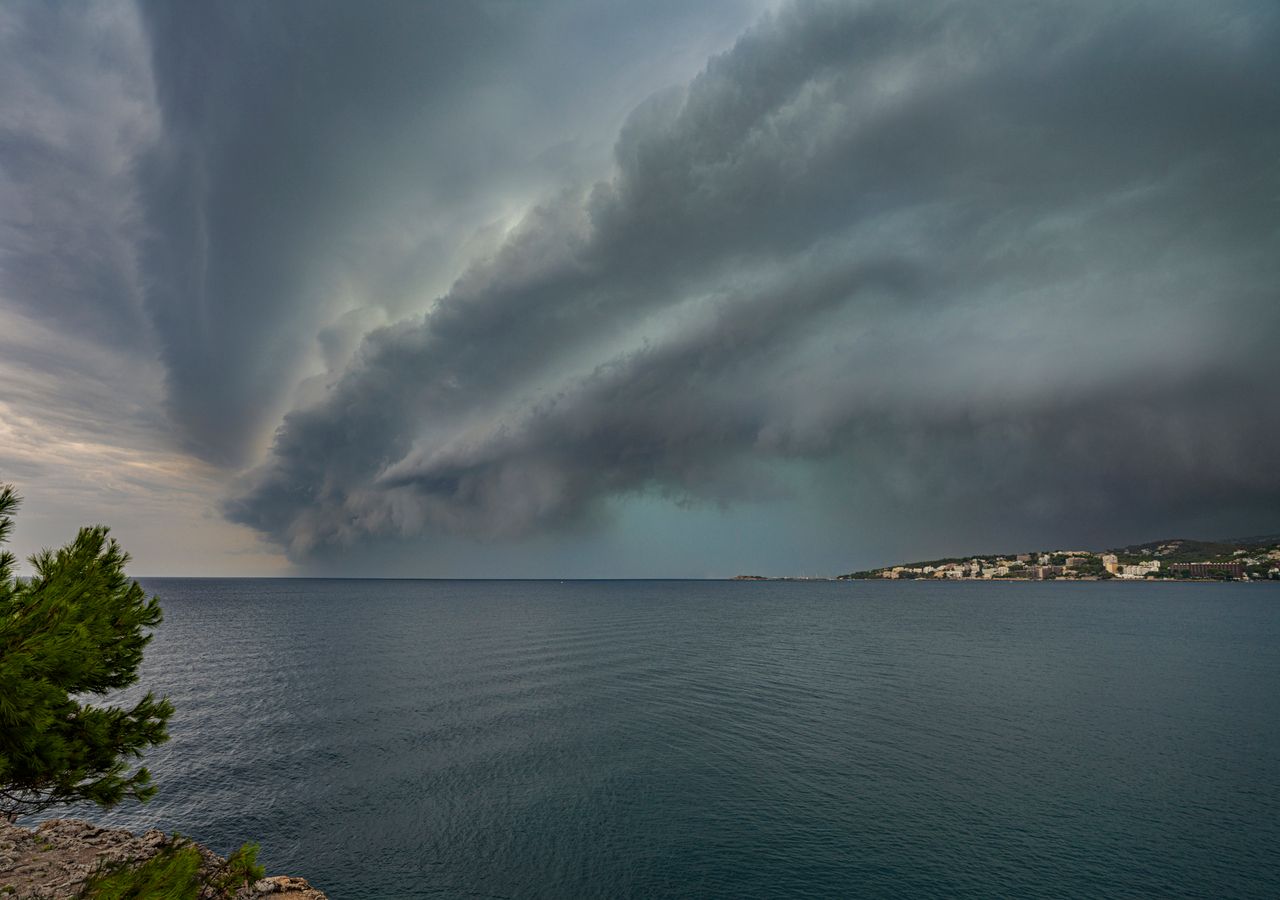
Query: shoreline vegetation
{"x": 1176, "y": 559}
{"x": 68, "y": 858}
{"x": 71, "y": 638}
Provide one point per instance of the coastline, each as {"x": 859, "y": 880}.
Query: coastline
{"x": 1172, "y": 559}
{"x": 54, "y": 859}
{"x": 1087, "y": 580}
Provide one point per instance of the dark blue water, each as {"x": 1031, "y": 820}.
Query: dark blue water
{"x": 646, "y": 739}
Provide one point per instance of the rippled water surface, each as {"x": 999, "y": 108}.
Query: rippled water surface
{"x": 392, "y": 739}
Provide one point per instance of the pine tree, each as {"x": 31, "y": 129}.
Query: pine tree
{"x": 73, "y": 632}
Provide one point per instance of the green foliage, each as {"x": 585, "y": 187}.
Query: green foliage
{"x": 242, "y": 868}
{"x": 172, "y": 874}
{"x": 75, "y": 631}
{"x": 175, "y": 873}
{"x": 1177, "y": 550}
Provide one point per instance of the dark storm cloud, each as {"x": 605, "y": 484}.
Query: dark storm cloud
{"x": 266, "y": 109}
{"x": 315, "y": 150}
{"x": 1023, "y": 254}
{"x": 204, "y": 206}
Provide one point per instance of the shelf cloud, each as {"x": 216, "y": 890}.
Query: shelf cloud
{"x": 416, "y": 273}
{"x": 1025, "y": 239}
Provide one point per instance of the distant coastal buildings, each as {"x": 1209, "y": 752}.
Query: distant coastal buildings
{"x": 1113, "y": 567}
{"x": 1250, "y": 560}
{"x": 1209, "y": 569}
{"x": 1139, "y": 570}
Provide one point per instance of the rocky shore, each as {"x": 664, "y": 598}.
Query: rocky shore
{"x": 53, "y": 860}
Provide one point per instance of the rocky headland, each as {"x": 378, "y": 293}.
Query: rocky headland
{"x": 55, "y": 860}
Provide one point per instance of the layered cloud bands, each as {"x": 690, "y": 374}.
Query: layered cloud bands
{"x": 935, "y": 254}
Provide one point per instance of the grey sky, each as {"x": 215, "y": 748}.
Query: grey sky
{"x": 660, "y": 289}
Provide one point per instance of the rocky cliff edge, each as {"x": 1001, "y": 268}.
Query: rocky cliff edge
{"x": 53, "y": 860}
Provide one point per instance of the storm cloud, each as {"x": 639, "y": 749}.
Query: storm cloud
{"x": 1032, "y": 252}
{"x": 396, "y": 276}
{"x": 322, "y": 157}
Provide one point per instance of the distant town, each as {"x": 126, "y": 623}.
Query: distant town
{"x": 1250, "y": 559}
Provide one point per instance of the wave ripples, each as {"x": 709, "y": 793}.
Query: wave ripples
{"x": 392, "y": 739}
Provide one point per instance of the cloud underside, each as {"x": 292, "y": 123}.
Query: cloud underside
{"x": 941, "y": 254}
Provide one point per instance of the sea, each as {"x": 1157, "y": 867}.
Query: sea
{"x": 613, "y": 739}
